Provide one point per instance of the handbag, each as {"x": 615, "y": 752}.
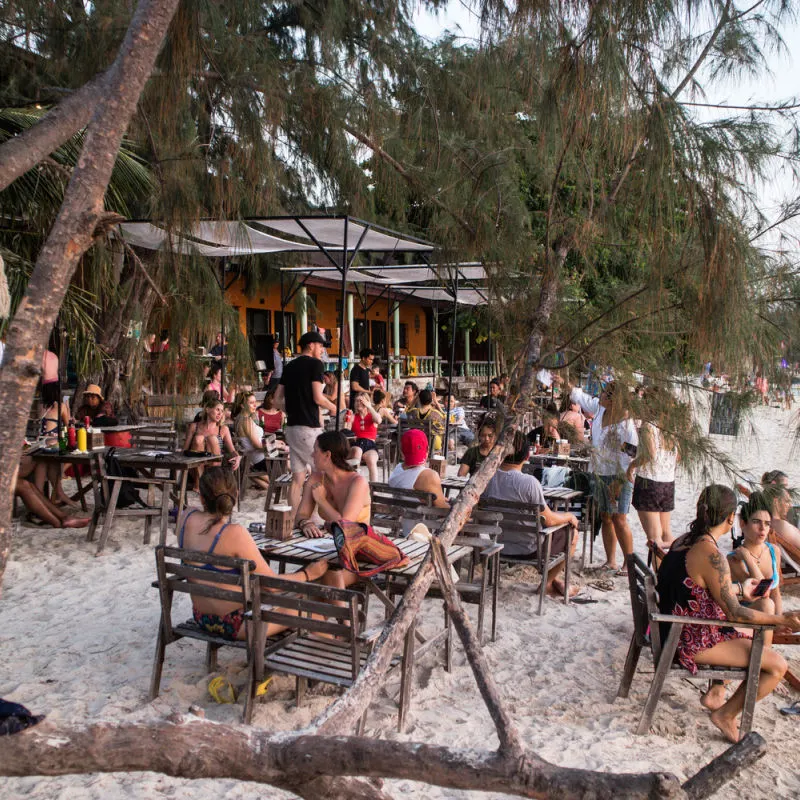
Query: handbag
{"x": 356, "y": 541}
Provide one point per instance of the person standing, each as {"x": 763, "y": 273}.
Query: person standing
{"x": 277, "y": 366}
{"x": 300, "y": 393}
{"x": 614, "y": 441}
{"x": 220, "y": 348}
{"x": 359, "y": 376}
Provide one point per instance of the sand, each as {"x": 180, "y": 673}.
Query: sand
{"x": 78, "y": 636}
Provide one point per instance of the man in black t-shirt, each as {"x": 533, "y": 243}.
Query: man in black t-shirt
{"x": 493, "y": 399}
{"x": 300, "y": 394}
{"x": 359, "y": 376}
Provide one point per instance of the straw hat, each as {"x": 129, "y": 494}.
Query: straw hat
{"x": 93, "y": 388}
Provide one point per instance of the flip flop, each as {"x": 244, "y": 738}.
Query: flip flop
{"x": 221, "y": 690}
{"x": 603, "y": 584}
{"x": 262, "y": 687}
{"x": 622, "y": 573}
{"x": 791, "y": 711}
{"x": 582, "y": 601}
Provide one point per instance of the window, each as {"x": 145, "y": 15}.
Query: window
{"x": 403, "y": 336}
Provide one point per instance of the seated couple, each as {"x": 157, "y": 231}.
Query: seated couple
{"x": 208, "y": 530}
{"x": 510, "y": 483}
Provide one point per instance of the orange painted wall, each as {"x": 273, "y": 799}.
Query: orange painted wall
{"x": 326, "y": 316}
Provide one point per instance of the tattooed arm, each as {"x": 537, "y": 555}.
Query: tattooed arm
{"x": 712, "y": 567}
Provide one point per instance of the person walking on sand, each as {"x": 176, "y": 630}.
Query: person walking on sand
{"x": 301, "y": 395}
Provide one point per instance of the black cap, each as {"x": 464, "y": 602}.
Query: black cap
{"x": 312, "y": 337}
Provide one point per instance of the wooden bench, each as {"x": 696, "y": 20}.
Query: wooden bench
{"x": 312, "y": 611}
{"x": 646, "y": 634}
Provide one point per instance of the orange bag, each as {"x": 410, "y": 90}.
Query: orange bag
{"x": 356, "y": 542}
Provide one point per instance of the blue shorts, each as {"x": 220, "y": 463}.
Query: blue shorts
{"x": 606, "y": 505}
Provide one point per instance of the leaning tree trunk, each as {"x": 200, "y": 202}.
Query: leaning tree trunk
{"x": 81, "y": 214}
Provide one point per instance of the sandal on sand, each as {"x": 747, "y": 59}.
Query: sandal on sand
{"x": 622, "y": 573}
{"x": 791, "y": 711}
{"x": 603, "y": 584}
{"x": 221, "y": 690}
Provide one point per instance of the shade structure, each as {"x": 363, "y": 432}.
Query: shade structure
{"x": 339, "y": 238}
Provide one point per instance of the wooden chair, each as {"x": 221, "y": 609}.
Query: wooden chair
{"x": 311, "y": 610}
{"x": 106, "y": 489}
{"x": 790, "y": 563}
{"x": 480, "y": 533}
{"x": 155, "y": 438}
{"x": 175, "y": 575}
{"x": 646, "y": 634}
{"x": 521, "y": 525}
{"x": 404, "y": 425}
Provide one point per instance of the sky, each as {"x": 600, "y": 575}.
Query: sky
{"x": 781, "y": 85}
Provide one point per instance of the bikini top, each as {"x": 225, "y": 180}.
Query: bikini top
{"x": 208, "y": 567}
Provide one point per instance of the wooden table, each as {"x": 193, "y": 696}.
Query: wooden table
{"x": 74, "y": 457}
{"x": 288, "y": 552}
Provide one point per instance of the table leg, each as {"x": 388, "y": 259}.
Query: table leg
{"x": 165, "y": 496}
{"x": 407, "y": 676}
{"x": 181, "y": 493}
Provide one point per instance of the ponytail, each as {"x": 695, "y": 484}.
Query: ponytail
{"x": 715, "y": 504}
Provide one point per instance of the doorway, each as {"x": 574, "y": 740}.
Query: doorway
{"x": 379, "y": 343}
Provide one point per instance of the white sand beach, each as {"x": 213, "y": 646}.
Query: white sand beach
{"x": 78, "y": 636}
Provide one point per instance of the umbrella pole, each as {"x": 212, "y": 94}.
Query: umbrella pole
{"x": 341, "y": 325}
{"x": 452, "y": 363}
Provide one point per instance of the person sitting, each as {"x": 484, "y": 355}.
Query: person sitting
{"x": 425, "y": 412}
{"x": 411, "y": 472}
{"x": 474, "y": 456}
{"x": 694, "y": 580}
{"x": 492, "y": 400}
{"x": 570, "y": 413}
{"x": 510, "y": 483}
{"x": 458, "y": 423}
{"x": 375, "y": 375}
{"x": 365, "y": 428}
{"x": 250, "y": 435}
{"x": 37, "y": 504}
{"x": 215, "y": 382}
{"x": 546, "y": 434}
{"x": 211, "y": 435}
{"x": 208, "y": 530}
{"x": 334, "y": 490}
{"x": 380, "y": 402}
{"x": 271, "y": 418}
{"x": 407, "y": 400}
{"x": 96, "y": 407}
{"x": 786, "y": 534}
{"x": 52, "y": 409}
{"x": 756, "y": 557}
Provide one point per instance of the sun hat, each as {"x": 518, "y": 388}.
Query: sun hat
{"x": 312, "y": 337}
{"x": 93, "y": 388}
{"x": 414, "y": 445}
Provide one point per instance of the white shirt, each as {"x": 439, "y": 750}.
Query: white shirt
{"x": 663, "y": 461}
{"x": 608, "y": 457}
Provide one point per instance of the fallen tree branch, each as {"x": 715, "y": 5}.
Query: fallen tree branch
{"x": 510, "y": 741}
{"x": 718, "y": 772}
{"x": 202, "y": 749}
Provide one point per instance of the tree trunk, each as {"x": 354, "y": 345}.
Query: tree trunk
{"x": 291, "y": 761}
{"x": 71, "y": 235}
{"x": 26, "y": 150}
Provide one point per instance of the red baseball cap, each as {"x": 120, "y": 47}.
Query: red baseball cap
{"x": 414, "y": 445}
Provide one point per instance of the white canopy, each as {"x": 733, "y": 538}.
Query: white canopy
{"x": 227, "y": 238}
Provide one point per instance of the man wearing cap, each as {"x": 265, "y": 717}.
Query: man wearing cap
{"x": 300, "y": 394}
{"x": 94, "y": 404}
{"x": 412, "y": 473}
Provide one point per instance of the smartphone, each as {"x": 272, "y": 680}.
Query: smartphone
{"x": 761, "y": 587}
{"x": 630, "y": 449}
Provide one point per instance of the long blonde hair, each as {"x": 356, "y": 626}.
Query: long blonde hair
{"x": 241, "y": 413}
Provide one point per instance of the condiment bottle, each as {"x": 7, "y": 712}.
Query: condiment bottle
{"x": 72, "y": 439}
{"x": 83, "y": 440}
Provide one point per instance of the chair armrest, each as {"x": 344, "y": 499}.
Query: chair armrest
{"x": 488, "y": 552}
{"x": 718, "y": 622}
{"x": 370, "y": 634}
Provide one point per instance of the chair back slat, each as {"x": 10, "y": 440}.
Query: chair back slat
{"x": 405, "y": 498}
{"x": 344, "y": 606}
{"x": 644, "y": 601}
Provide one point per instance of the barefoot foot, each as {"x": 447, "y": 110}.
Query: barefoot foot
{"x": 77, "y": 522}
{"x": 714, "y": 698}
{"x": 729, "y": 726}
{"x": 556, "y": 588}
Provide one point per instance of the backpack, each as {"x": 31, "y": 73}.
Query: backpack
{"x": 356, "y": 542}
{"x": 128, "y": 494}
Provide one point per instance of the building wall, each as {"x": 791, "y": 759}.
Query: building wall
{"x": 327, "y": 299}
